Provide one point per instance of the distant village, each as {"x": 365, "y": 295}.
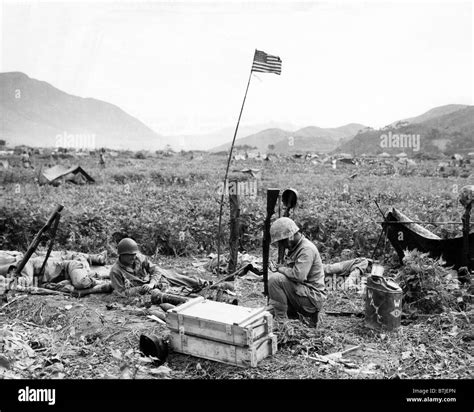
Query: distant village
{"x": 64, "y": 164}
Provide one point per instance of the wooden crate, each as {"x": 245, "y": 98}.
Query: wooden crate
{"x": 221, "y": 322}
{"x": 243, "y": 356}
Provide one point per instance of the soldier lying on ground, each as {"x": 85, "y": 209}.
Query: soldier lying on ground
{"x": 134, "y": 273}
{"x": 63, "y": 270}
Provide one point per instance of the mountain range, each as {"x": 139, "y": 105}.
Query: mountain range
{"x": 446, "y": 129}
{"x": 35, "y": 113}
{"x": 309, "y": 138}
{"x": 206, "y": 141}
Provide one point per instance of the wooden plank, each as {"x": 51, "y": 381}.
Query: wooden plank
{"x": 261, "y": 324}
{"x": 186, "y": 305}
{"x": 220, "y": 322}
{"x": 251, "y": 318}
{"x": 218, "y": 311}
{"x": 224, "y": 353}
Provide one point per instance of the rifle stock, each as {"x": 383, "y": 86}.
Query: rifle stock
{"x": 272, "y": 197}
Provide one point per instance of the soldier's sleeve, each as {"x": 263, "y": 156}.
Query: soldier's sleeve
{"x": 26, "y": 276}
{"x": 117, "y": 281}
{"x": 302, "y": 266}
{"x": 153, "y": 270}
{"x": 121, "y": 286}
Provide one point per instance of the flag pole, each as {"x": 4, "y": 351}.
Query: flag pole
{"x": 227, "y": 171}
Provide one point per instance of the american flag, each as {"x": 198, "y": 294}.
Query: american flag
{"x": 266, "y": 63}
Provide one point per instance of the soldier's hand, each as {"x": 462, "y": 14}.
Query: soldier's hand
{"x": 147, "y": 287}
{"x": 279, "y": 266}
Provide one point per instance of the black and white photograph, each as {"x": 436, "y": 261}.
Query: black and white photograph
{"x": 236, "y": 200}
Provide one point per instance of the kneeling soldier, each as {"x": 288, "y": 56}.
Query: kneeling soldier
{"x": 297, "y": 287}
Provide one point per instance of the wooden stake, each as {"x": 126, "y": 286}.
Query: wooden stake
{"x": 234, "y": 226}
{"x": 225, "y": 176}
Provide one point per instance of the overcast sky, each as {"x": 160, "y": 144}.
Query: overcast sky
{"x": 183, "y": 67}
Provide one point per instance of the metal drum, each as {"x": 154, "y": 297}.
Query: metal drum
{"x": 383, "y": 303}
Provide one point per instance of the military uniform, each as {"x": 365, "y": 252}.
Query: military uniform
{"x": 129, "y": 280}
{"x": 70, "y": 266}
{"x": 298, "y": 287}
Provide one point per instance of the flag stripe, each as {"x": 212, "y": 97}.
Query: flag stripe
{"x": 266, "y": 63}
{"x": 275, "y": 63}
{"x": 266, "y": 70}
{"x": 272, "y": 66}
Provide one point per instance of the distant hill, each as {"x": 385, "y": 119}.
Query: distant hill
{"x": 35, "y": 113}
{"x": 207, "y": 141}
{"x": 431, "y": 114}
{"x": 309, "y": 138}
{"x": 445, "y": 129}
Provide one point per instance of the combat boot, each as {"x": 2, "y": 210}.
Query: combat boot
{"x": 311, "y": 320}
{"x": 99, "y": 259}
{"x": 278, "y": 310}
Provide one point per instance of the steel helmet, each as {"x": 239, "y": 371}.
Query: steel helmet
{"x": 283, "y": 228}
{"x": 466, "y": 195}
{"x": 127, "y": 246}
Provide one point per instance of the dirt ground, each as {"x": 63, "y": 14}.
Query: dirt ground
{"x": 97, "y": 336}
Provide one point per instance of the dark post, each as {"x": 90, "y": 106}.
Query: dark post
{"x": 272, "y": 197}
{"x": 289, "y": 199}
{"x": 465, "y": 230}
{"x": 234, "y": 225}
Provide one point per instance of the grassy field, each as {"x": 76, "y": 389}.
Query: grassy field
{"x": 170, "y": 205}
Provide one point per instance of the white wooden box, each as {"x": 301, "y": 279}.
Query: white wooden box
{"x": 231, "y": 334}
{"x": 235, "y": 325}
{"x": 243, "y": 356}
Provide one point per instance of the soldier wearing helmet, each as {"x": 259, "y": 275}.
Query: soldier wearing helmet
{"x": 296, "y": 287}
{"x": 134, "y": 273}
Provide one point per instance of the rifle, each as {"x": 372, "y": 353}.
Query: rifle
{"x": 158, "y": 297}
{"x": 53, "y": 218}
{"x": 239, "y": 272}
{"x": 272, "y": 197}
{"x": 289, "y": 199}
